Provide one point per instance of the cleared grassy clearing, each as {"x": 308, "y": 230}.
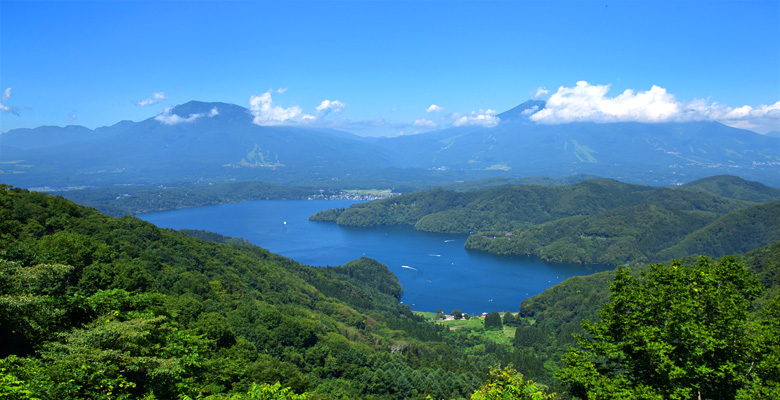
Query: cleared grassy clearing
{"x": 475, "y": 326}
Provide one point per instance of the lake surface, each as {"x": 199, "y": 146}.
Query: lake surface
{"x": 434, "y": 269}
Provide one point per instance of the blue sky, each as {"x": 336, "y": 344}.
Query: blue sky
{"x": 381, "y": 65}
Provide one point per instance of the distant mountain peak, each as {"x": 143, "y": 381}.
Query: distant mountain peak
{"x": 523, "y": 111}
{"x": 199, "y": 111}
{"x": 202, "y": 107}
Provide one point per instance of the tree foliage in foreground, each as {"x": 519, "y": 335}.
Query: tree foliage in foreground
{"x": 265, "y": 391}
{"x": 679, "y": 333}
{"x": 508, "y": 384}
{"x": 96, "y": 307}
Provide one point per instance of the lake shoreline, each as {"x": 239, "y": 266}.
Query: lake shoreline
{"x": 442, "y": 273}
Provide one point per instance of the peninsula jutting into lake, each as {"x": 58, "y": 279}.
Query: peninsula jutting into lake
{"x": 445, "y": 274}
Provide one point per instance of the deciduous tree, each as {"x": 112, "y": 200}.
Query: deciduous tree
{"x": 493, "y": 321}
{"x": 677, "y": 333}
{"x": 508, "y": 384}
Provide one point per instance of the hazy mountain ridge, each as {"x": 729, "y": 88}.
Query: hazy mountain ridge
{"x": 48, "y": 136}
{"x": 219, "y": 141}
{"x": 590, "y": 145}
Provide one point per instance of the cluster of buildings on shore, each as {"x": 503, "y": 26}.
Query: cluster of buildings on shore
{"x": 452, "y": 317}
{"x": 353, "y": 196}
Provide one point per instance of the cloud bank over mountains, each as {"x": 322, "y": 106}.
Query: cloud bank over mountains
{"x": 583, "y": 102}
{"x": 266, "y": 113}
{"x": 591, "y": 103}
{"x": 486, "y": 118}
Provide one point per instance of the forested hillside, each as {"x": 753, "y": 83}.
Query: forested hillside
{"x": 98, "y": 307}
{"x": 639, "y": 234}
{"x": 734, "y": 233}
{"x": 734, "y": 187}
{"x": 521, "y": 206}
{"x": 597, "y": 221}
{"x": 559, "y": 311}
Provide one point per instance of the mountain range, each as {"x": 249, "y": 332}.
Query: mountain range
{"x": 216, "y": 142}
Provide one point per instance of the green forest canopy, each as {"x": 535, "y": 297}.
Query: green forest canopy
{"x": 599, "y": 221}
{"x": 98, "y": 307}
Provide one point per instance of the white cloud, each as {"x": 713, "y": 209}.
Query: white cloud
{"x": 540, "y": 92}
{"x": 486, "y": 118}
{"x": 281, "y": 90}
{"x": 172, "y": 119}
{"x": 265, "y": 113}
{"x": 529, "y": 111}
{"x": 434, "y": 108}
{"x": 326, "y": 107}
{"x": 719, "y": 112}
{"x": 425, "y": 123}
{"x": 5, "y": 96}
{"x": 3, "y": 107}
{"x": 762, "y": 119}
{"x": 156, "y": 98}
{"x": 586, "y": 102}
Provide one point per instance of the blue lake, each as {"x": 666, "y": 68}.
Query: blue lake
{"x": 434, "y": 269}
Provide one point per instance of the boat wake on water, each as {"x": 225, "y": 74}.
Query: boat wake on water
{"x": 419, "y": 273}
